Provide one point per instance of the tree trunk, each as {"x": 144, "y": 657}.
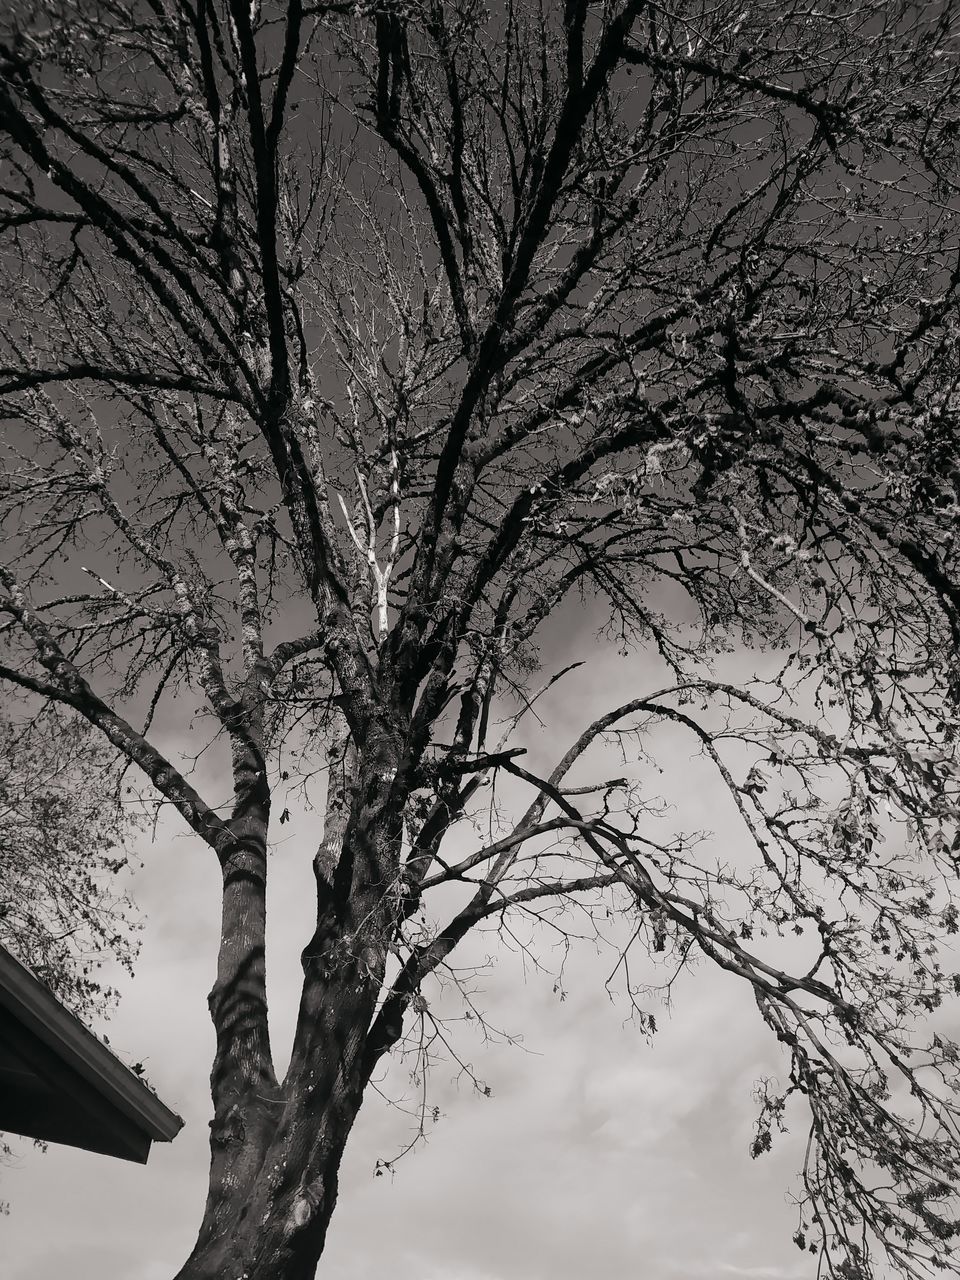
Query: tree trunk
{"x": 280, "y": 1222}
{"x": 270, "y": 1201}
{"x": 275, "y": 1149}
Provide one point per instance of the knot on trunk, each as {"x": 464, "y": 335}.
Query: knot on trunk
{"x": 229, "y": 1128}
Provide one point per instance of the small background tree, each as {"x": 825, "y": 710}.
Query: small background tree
{"x": 64, "y": 909}
{"x": 65, "y": 833}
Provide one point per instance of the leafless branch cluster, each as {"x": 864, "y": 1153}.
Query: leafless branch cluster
{"x": 344, "y": 347}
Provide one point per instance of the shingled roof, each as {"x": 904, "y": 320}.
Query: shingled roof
{"x": 58, "y": 1082}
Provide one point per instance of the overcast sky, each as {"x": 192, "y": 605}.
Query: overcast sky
{"x": 599, "y": 1153}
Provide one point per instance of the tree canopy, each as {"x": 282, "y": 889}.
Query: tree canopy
{"x": 65, "y": 835}
{"x": 344, "y": 347}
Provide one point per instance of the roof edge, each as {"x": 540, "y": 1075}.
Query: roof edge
{"x": 25, "y": 996}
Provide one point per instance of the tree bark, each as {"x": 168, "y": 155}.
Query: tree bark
{"x": 273, "y": 1192}
{"x": 276, "y": 1148}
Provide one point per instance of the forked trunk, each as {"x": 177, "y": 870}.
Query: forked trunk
{"x": 273, "y": 1174}
{"x": 275, "y": 1149}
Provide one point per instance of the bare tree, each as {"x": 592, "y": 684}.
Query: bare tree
{"x": 343, "y": 346}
